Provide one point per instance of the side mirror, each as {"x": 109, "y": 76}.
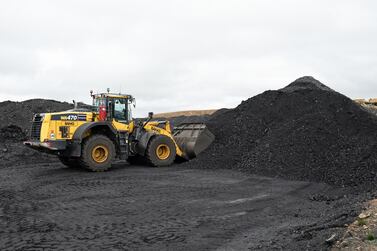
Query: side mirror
{"x": 134, "y": 102}
{"x": 150, "y": 115}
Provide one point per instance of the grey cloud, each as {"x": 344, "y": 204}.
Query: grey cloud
{"x": 176, "y": 54}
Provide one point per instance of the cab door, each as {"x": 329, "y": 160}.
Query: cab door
{"x": 120, "y": 114}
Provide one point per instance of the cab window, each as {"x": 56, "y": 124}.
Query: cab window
{"x": 120, "y": 109}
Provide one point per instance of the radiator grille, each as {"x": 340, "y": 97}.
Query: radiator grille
{"x": 35, "y": 132}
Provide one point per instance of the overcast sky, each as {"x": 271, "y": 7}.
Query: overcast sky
{"x": 184, "y": 54}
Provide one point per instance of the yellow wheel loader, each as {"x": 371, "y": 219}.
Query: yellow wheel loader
{"x": 94, "y": 137}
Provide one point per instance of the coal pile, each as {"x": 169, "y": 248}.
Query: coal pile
{"x": 13, "y": 152}
{"x": 21, "y": 113}
{"x": 175, "y": 121}
{"x": 15, "y": 123}
{"x": 12, "y": 133}
{"x": 305, "y": 131}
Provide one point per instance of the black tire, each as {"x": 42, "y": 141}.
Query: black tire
{"x": 106, "y": 152}
{"x": 69, "y": 162}
{"x": 153, "y": 148}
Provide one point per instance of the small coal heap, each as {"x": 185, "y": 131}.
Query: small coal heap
{"x": 21, "y": 113}
{"x": 12, "y": 133}
{"x": 305, "y": 131}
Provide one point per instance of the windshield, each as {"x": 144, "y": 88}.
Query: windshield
{"x": 99, "y": 101}
{"x": 120, "y": 108}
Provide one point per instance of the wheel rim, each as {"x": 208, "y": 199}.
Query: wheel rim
{"x": 100, "y": 154}
{"x": 163, "y": 151}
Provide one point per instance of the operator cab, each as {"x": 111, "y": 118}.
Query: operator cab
{"x": 112, "y": 106}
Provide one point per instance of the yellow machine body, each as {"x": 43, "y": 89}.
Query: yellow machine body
{"x": 89, "y": 135}
{"x": 50, "y": 129}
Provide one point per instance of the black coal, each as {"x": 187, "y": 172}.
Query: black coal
{"x": 21, "y": 113}
{"x": 12, "y": 133}
{"x": 305, "y": 131}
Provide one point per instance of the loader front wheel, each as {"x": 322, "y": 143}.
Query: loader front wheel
{"x": 160, "y": 151}
{"x": 98, "y": 153}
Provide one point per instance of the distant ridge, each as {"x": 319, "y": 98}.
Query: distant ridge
{"x": 185, "y": 113}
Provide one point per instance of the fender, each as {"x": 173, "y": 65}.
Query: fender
{"x": 74, "y": 146}
{"x": 143, "y": 141}
{"x": 80, "y": 132}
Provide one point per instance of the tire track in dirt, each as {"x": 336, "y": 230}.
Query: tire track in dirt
{"x": 49, "y": 206}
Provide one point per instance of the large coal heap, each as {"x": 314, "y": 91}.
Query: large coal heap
{"x": 21, "y": 113}
{"x": 305, "y": 131}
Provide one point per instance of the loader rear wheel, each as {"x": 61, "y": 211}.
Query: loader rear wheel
{"x": 98, "y": 153}
{"x": 69, "y": 162}
{"x": 160, "y": 151}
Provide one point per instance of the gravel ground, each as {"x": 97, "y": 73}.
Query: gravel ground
{"x": 140, "y": 208}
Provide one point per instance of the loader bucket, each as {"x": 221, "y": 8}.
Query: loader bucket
{"x": 192, "y": 138}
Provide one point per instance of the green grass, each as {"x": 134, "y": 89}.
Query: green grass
{"x": 361, "y": 222}
{"x": 371, "y": 237}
